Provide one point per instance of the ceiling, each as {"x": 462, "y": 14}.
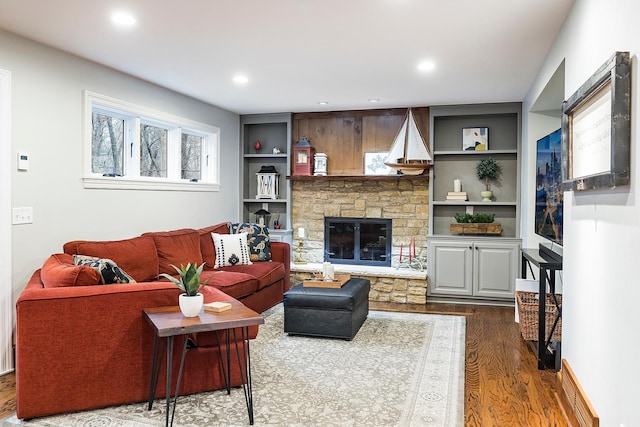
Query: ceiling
{"x": 297, "y": 53}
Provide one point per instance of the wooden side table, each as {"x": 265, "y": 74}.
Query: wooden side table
{"x": 168, "y": 322}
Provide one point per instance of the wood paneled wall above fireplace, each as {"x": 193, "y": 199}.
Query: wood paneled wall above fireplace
{"x": 346, "y": 135}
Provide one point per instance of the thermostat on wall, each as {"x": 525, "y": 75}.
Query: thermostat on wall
{"x": 23, "y": 161}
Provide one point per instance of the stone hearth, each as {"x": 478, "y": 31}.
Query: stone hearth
{"x": 404, "y": 200}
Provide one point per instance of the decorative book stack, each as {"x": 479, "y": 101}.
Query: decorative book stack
{"x": 457, "y": 196}
{"x": 217, "y": 306}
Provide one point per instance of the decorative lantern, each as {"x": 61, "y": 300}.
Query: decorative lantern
{"x": 263, "y": 217}
{"x": 303, "y": 157}
{"x": 268, "y": 179}
{"x": 320, "y": 166}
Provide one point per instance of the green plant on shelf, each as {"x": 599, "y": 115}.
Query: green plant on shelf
{"x": 487, "y": 169}
{"x": 467, "y": 218}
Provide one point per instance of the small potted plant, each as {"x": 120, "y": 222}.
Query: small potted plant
{"x": 188, "y": 281}
{"x": 480, "y": 223}
{"x": 487, "y": 169}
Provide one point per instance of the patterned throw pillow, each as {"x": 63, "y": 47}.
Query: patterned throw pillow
{"x": 231, "y": 249}
{"x": 257, "y": 239}
{"x": 109, "y": 271}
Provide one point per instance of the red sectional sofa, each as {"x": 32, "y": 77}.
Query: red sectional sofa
{"x": 81, "y": 346}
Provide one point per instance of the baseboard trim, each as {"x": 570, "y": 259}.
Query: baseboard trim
{"x": 574, "y": 401}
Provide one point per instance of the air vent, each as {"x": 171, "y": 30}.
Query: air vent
{"x": 576, "y": 398}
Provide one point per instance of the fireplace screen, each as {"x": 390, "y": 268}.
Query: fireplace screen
{"x": 357, "y": 241}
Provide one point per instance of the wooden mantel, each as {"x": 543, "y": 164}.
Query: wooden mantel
{"x": 355, "y": 177}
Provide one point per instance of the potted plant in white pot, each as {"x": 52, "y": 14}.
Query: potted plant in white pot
{"x": 487, "y": 169}
{"x": 188, "y": 281}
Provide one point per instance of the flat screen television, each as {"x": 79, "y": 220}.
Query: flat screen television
{"x": 548, "y": 218}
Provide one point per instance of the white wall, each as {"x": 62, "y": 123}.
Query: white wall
{"x": 537, "y": 126}
{"x": 47, "y": 91}
{"x": 602, "y": 228}
{"x": 6, "y": 290}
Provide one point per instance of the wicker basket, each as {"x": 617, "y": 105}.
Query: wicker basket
{"x": 528, "y": 312}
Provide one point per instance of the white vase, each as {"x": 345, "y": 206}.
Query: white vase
{"x": 191, "y": 306}
{"x": 486, "y": 195}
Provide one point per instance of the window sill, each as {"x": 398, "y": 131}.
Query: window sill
{"x": 122, "y": 183}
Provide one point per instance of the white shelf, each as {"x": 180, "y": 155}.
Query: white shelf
{"x": 472, "y": 203}
{"x": 266, "y": 156}
{"x": 473, "y": 153}
{"x": 264, "y": 200}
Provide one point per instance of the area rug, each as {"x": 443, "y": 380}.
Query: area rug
{"x": 401, "y": 369}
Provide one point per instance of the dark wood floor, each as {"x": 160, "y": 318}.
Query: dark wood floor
{"x": 503, "y": 386}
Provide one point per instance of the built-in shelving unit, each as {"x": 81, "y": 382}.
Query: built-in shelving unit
{"x": 452, "y": 162}
{"x": 274, "y": 132}
{"x": 468, "y": 266}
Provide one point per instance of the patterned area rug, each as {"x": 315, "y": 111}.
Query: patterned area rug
{"x": 401, "y": 369}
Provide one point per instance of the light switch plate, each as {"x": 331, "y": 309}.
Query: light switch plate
{"x": 23, "y": 162}
{"x": 22, "y": 215}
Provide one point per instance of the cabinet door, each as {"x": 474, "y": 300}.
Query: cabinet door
{"x": 496, "y": 269}
{"x": 451, "y": 266}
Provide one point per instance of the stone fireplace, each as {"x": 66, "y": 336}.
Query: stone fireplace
{"x": 404, "y": 200}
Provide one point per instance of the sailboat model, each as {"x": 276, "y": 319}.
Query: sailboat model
{"x": 409, "y": 154}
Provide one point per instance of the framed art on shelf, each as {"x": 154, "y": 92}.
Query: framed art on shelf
{"x": 374, "y": 164}
{"x": 475, "y": 139}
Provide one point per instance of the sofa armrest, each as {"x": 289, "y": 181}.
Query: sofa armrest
{"x": 281, "y": 252}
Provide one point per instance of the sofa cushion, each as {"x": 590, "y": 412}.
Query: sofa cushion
{"x": 265, "y": 272}
{"x": 232, "y": 283}
{"x": 178, "y": 247}
{"x": 206, "y": 243}
{"x": 231, "y": 249}
{"x": 59, "y": 271}
{"x": 257, "y": 239}
{"x": 108, "y": 270}
{"x": 136, "y": 256}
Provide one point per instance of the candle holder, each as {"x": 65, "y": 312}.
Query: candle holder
{"x": 263, "y": 217}
{"x": 411, "y": 258}
{"x": 267, "y": 185}
{"x": 298, "y": 255}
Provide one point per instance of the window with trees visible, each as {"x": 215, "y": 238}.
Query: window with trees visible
{"x": 135, "y": 147}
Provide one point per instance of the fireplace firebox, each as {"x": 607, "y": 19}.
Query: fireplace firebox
{"x": 362, "y": 241}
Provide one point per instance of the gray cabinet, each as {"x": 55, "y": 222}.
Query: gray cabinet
{"x": 473, "y": 268}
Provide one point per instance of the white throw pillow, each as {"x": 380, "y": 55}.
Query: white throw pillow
{"x": 231, "y": 249}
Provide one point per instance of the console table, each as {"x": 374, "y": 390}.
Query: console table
{"x": 168, "y": 322}
{"x": 548, "y": 263}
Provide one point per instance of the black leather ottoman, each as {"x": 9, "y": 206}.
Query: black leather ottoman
{"x": 327, "y": 312}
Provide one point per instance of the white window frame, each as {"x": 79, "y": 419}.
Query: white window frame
{"x": 133, "y": 116}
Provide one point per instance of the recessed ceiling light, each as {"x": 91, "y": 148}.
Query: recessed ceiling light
{"x": 426, "y": 66}
{"x": 374, "y": 100}
{"x": 323, "y": 102}
{"x": 241, "y": 79}
{"x": 124, "y": 19}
